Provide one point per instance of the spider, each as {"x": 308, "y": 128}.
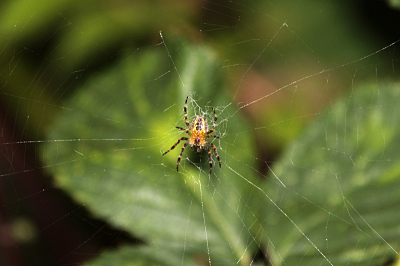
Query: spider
{"x": 198, "y": 133}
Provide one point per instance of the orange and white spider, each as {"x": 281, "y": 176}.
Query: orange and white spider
{"x": 198, "y": 133}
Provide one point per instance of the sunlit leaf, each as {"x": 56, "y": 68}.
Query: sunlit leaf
{"x": 107, "y": 153}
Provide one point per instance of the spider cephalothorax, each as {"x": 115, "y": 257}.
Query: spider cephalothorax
{"x": 198, "y": 133}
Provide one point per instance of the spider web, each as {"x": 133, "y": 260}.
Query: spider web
{"x": 307, "y": 136}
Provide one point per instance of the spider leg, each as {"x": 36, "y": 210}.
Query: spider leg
{"x": 185, "y": 110}
{"x": 211, "y": 136}
{"x": 215, "y": 120}
{"x": 215, "y": 151}
{"x": 173, "y": 147}
{"x": 180, "y": 155}
{"x": 187, "y": 131}
{"x": 209, "y": 159}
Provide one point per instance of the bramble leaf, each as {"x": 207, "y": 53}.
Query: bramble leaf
{"x": 107, "y": 153}
{"x": 342, "y": 182}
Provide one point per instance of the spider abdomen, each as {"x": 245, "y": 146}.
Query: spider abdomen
{"x": 199, "y": 129}
{"x": 199, "y": 125}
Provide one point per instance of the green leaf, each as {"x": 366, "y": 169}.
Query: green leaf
{"x": 342, "y": 182}
{"x": 106, "y": 151}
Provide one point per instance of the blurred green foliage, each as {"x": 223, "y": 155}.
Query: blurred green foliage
{"x": 56, "y": 45}
{"x": 92, "y": 70}
{"x": 395, "y": 3}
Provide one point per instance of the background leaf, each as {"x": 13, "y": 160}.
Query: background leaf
{"x": 343, "y": 185}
